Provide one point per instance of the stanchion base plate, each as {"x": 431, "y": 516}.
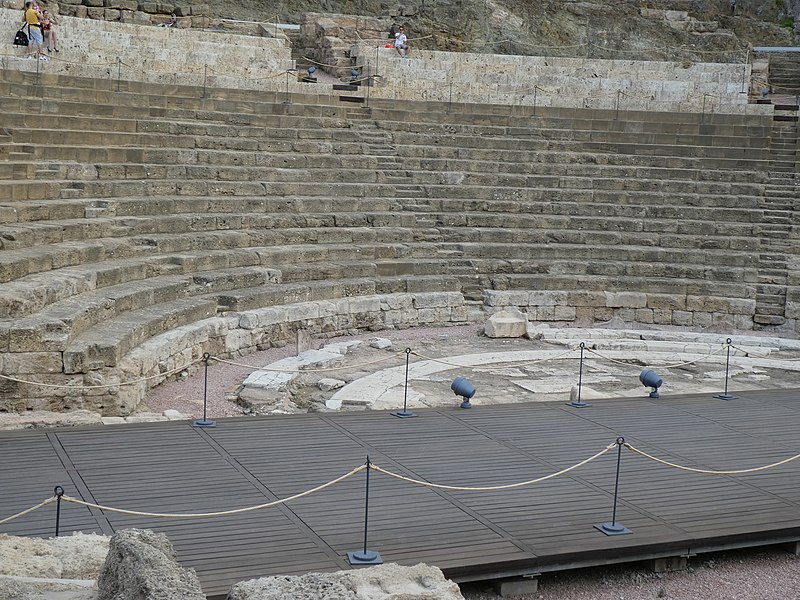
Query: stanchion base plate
{"x": 360, "y": 557}
{"x": 578, "y": 404}
{"x": 403, "y": 414}
{"x": 204, "y": 423}
{"x": 612, "y": 528}
{"x": 726, "y": 396}
{"x": 466, "y": 404}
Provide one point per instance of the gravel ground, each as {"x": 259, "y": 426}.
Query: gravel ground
{"x": 757, "y": 574}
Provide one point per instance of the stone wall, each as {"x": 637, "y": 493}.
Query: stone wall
{"x": 107, "y": 49}
{"x": 564, "y": 82}
{"x": 585, "y": 308}
{"x": 238, "y": 58}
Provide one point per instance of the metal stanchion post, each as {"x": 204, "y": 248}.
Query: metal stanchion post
{"x": 580, "y": 403}
{"x": 616, "y": 108}
{"x": 365, "y": 556}
{"x": 205, "y": 76}
{"x": 725, "y": 395}
{"x": 612, "y": 527}
{"x": 405, "y": 413}
{"x": 119, "y": 71}
{"x": 535, "y": 88}
{"x": 58, "y": 491}
{"x": 205, "y": 421}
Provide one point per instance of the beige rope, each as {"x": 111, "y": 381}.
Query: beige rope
{"x": 668, "y": 366}
{"x": 29, "y": 510}
{"x": 105, "y": 385}
{"x": 496, "y": 487}
{"x": 525, "y": 362}
{"x": 764, "y": 356}
{"x": 320, "y": 370}
{"x": 708, "y": 471}
{"x": 218, "y": 513}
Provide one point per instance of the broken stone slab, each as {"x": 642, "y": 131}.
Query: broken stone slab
{"x": 175, "y": 415}
{"x": 143, "y": 565}
{"x": 44, "y": 418}
{"x": 380, "y": 343}
{"x": 34, "y": 588}
{"x": 285, "y": 370}
{"x": 327, "y": 384}
{"x": 381, "y": 582}
{"x": 509, "y": 323}
{"x": 76, "y": 556}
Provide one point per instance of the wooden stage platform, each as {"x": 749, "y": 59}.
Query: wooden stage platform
{"x": 172, "y": 467}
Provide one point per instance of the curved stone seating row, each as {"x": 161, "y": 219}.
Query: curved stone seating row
{"x": 31, "y": 294}
{"x": 146, "y": 274}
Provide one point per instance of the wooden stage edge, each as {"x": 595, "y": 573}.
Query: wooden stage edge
{"x": 471, "y": 535}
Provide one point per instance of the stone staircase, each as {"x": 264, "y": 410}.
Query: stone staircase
{"x": 784, "y": 72}
{"x": 778, "y": 233}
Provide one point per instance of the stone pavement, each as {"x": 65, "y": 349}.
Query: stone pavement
{"x": 539, "y": 370}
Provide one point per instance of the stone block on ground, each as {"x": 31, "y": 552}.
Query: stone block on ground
{"x": 142, "y": 565}
{"x": 510, "y": 323}
{"x": 382, "y": 582}
{"x": 76, "y": 556}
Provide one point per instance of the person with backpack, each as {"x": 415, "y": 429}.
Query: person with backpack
{"x": 32, "y": 20}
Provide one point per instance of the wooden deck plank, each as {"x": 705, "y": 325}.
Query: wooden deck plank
{"x": 171, "y": 467}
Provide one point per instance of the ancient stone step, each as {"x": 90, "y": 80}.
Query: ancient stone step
{"x": 762, "y": 319}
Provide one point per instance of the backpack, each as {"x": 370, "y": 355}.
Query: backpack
{"x": 20, "y": 38}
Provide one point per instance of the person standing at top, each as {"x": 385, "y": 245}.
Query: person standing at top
{"x": 32, "y": 17}
{"x": 401, "y": 42}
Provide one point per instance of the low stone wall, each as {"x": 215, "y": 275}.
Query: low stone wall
{"x": 108, "y": 50}
{"x": 231, "y": 335}
{"x": 564, "y": 82}
{"x": 585, "y": 308}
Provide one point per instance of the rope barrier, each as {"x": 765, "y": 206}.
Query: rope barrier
{"x": 220, "y": 513}
{"x": 370, "y": 465}
{"x": 29, "y": 510}
{"x": 509, "y": 486}
{"x": 105, "y": 385}
{"x": 750, "y": 353}
{"x": 668, "y": 366}
{"x": 709, "y": 471}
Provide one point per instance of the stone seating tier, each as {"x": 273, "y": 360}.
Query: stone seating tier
{"x": 132, "y": 257}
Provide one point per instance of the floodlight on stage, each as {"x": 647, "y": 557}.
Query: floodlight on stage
{"x": 650, "y": 378}
{"x": 462, "y": 387}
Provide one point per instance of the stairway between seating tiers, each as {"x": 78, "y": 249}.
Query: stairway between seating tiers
{"x": 140, "y": 229}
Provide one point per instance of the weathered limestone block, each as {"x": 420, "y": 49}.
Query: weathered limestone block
{"x": 396, "y": 302}
{"x": 666, "y": 301}
{"x": 30, "y": 362}
{"x": 433, "y": 300}
{"x": 142, "y": 565}
{"x": 509, "y": 323}
{"x": 382, "y": 582}
{"x": 505, "y": 298}
{"x": 626, "y": 300}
